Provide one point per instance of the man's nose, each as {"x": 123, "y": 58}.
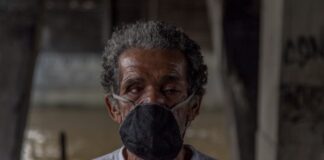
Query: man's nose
{"x": 153, "y": 95}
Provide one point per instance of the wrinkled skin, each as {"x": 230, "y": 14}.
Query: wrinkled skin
{"x": 153, "y": 76}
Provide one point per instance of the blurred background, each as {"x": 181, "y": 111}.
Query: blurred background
{"x": 265, "y": 91}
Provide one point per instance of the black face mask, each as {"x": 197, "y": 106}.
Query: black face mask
{"x": 151, "y": 132}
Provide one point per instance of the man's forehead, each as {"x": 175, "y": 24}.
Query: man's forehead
{"x": 152, "y": 57}
{"x": 141, "y": 51}
{"x": 166, "y": 64}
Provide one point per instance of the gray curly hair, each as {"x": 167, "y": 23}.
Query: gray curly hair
{"x": 150, "y": 35}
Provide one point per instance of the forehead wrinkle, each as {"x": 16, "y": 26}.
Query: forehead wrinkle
{"x": 127, "y": 65}
{"x": 131, "y": 73}
{"x": 132, "y": 67}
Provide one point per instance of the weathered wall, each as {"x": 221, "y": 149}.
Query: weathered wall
{"x": 291, "y": 104}
{"x": 72, "y": 26}
{"x": 68, "y": 80}
{"x": 301, "y": 113}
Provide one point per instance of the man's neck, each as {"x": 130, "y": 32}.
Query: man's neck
{"x": 184, "y": 154}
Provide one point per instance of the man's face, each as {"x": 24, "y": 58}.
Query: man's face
{"x": 150, "y": 76}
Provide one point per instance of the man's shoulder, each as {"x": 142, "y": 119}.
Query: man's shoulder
{"x": 115, "y": 155}
{"x": 197, "y": 155}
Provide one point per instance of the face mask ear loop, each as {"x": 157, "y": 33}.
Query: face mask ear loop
{"x": 188, "y": 122}
{"x": 123, "y": 99}
{"x": 185, "y": 102}
{"x": 120, "y": 98}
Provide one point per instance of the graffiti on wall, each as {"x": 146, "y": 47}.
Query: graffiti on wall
{"x": 302, "y": 49}
{"x": 302, "y": 103}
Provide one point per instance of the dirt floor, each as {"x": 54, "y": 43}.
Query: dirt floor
{"x": 90, "y": 133}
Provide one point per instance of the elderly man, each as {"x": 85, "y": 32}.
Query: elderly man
{"x": 154, "y": 76}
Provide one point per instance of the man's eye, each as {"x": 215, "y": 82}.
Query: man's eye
{"x": 170, "y": 91}
{"x": 134, "y": 90}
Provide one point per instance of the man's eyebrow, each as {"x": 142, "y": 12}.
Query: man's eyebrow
{"x": 130, "y": 81}
{"x": 169, "y": 78}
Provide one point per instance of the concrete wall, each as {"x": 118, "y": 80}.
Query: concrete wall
{"x": 301, "y": 114}
{"x": 291, "y": 105}
{"x": 68, "y": 80}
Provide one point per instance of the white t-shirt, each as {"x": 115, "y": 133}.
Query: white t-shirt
{"x": 118, "y": 155}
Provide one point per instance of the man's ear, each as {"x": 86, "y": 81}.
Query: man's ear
{"x": 113, "y": 111}
{"x": 195, "y": 107}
